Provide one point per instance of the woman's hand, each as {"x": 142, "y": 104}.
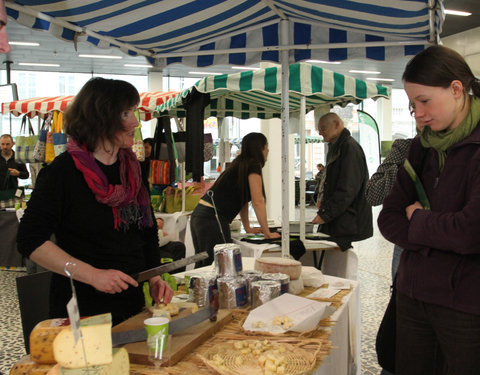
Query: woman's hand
{"x": 318, "y": 220}
{"x": 111, "y": 281}
{"x": 160, "y": 290}
{"x": 409, "y": 210}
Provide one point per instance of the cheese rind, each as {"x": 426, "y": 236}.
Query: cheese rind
{"x": 41, "y": 339}
{"x": 28, "y": 367}
{"x": 120, "y": 366}
{"x": 97, "y": 344}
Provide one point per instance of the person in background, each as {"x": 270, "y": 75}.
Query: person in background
{"x": 147, "y": 143}
{"x": 93, "y": 200}
{"x": 382, "y": 181}
{"x": 239, "y": 184}
{"x": 438, "y": 278}
{"x": 343, "y": 212}
{"x": 10, "y": 169}
{"x": 4, "y": 46}
{"x": 8, "y": 164}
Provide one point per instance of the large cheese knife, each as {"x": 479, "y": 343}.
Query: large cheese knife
{"x": 168, "y": 267}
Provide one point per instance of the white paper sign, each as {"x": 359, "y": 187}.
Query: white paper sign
{"x": 323, "y": 293}
{"x": 303, "y": 313}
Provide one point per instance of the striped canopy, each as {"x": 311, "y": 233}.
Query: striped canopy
{"x": 40, "y": 106}
{"x": 239, "y": 32}
{"x": 257, "y": 93}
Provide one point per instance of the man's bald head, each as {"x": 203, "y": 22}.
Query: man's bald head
{"x": 330, "y": 126}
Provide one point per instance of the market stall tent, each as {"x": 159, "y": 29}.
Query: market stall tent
{"x": 242, "y": 32}
{"x": 259, "y": 94}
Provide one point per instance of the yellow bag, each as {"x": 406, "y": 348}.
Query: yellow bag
{"x": 55, "y": 138}
{"x": 173, "y": 199}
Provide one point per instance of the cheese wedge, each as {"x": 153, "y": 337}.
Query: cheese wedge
{"x": 120, "y": 366}
{"x": 41, "y": 339}
{"x": 28, "y": 367}
{"x": 97, "y": 339}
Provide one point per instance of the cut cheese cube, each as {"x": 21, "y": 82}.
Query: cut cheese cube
{"x": 97, "y": 344}
{"x": 41, "y": 339}
{"x": 120, "y": 366}
{"x": 28, "y": 367}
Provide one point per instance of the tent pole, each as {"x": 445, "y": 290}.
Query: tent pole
{"x": 302, "y": 166}
{"x": 285, "y": 159}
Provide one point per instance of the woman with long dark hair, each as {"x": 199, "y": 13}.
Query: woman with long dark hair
{"x": 438, "y": 278}
{"x": 239, "y": 184}
{"x": 93, "y": 200}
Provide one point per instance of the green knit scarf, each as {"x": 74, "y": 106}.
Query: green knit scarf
{"x": 444, "y": 139}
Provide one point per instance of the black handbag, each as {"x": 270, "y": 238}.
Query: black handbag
{"x": 386, "y": 335}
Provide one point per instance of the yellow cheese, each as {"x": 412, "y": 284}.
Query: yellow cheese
{"x": 97, "y": 342}
{"x": 27, "y": 367}
{"x": 120, "y": 366}
{"x": 41, "y": 339}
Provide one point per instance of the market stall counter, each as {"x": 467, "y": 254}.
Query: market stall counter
{"x": 330, "y": 347}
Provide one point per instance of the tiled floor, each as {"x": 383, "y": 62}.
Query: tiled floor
{"x": 375, "y": 256}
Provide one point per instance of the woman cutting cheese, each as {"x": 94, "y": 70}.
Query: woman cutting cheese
{"x": 239, "y": 184}
{"x": 92, "y": 199}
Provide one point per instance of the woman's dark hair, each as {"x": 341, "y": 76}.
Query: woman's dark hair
{"x": 438, "y": 66}
{"x": 251, "y": 153}
{"x": 95, "y": 113}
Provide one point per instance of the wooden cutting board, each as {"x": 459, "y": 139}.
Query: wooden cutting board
{"x": 181, "y": 343}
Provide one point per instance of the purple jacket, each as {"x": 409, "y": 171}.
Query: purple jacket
{"x": 441, "y": 261}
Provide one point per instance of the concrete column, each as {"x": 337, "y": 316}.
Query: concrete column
{"x": 384, "y": 118}
{"x": 155, "y": 83}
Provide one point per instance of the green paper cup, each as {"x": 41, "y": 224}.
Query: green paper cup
{"x": 157, "y": 337}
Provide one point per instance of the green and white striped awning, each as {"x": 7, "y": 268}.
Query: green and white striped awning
{"x": 257, "y": 93}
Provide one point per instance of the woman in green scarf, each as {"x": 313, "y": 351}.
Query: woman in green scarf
{"x": 438, "y": 280}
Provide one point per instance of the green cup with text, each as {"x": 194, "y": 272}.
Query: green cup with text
{"x": 157, "y": 338}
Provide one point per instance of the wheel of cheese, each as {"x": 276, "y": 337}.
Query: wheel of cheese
{"x": 291, "y": 267}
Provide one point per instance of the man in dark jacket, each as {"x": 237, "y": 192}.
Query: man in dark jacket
{"x": 8, "y": 164}
{"x": 343, "y": 212}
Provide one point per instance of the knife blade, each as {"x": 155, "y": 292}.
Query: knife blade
{"x": 177, "y": 325}
{"x": 148, "y": 274}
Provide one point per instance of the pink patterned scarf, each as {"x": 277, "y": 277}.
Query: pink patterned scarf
{"x": 129, "y": 200}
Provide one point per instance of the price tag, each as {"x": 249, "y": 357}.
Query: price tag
{"x": 18, "y": 193}
{"x": 74, "y": 315}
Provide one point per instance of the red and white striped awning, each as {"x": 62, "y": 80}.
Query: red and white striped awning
{"x": 40, "y": 106}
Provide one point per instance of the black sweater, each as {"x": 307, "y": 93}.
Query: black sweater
{"x": 62, "y": 204}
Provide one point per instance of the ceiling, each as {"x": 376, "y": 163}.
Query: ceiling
{"x": 53, "y": 50}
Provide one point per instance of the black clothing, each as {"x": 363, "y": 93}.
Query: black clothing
{"x": 11, "y": 163}
{"x": 344, "y": 208}
{"x": 63, "y": 204}
{"x": 206, "y": 232}
{"x": 227, "y": 193}
{"x": 195, "y": 104}
{"x": 228, "y": 201}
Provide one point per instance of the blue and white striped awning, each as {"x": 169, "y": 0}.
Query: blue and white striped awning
{"x": 239, "y": 32}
